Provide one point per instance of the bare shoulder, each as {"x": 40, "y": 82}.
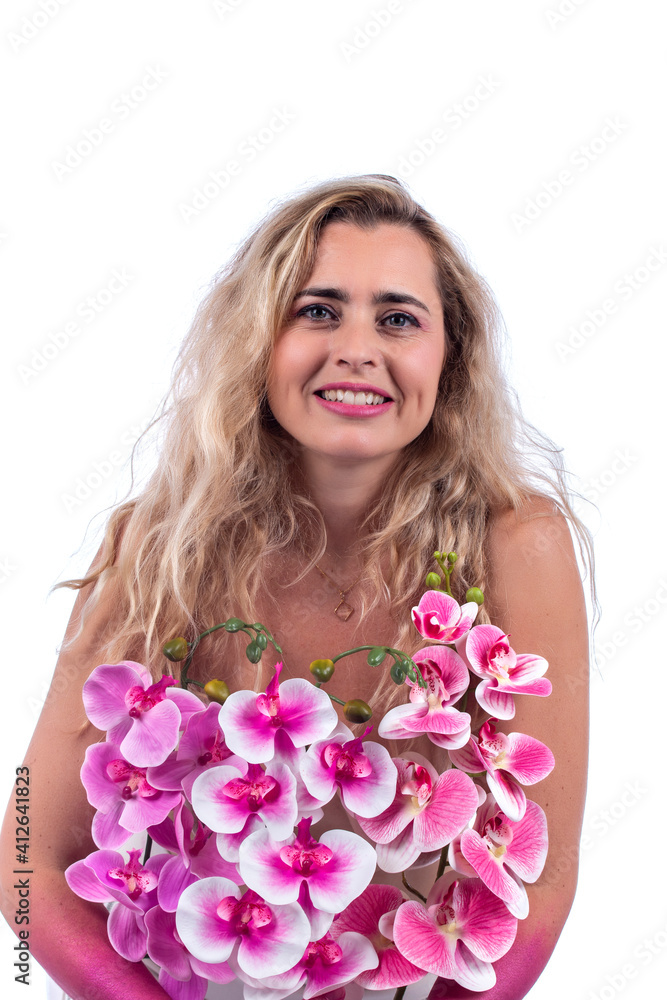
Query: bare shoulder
{"x": 532, "y": 567}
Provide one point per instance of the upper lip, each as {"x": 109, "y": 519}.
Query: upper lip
{"x": 355, "y": 387}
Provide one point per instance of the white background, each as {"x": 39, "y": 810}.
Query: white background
{"x": 360, "y": 97}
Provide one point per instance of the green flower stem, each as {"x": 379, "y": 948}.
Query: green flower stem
{"x": 339, "y": 701}
{"x": 245, "y": 627}
{"x": 400, "y": 993}
{"x": 443, "y": 862}
{"x": 415, "y": 892}
{"x": 397, "y": 655}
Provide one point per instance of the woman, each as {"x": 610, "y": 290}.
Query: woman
{"x": 338, "y": 413}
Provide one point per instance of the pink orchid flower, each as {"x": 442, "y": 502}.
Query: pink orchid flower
{"x": 325, "y": 965}
{"x": 142, "y": 717}
{"x": 429, "y": 711}
{"x": 224, "y": 799}
{"x": 217, "y": 922}
{"x": 506, "y": 760}
{"x": 295, "y": 708}
{"x": 462, "y": 929}
{"x": 501, "y": 852}
{"x": 427, "y": 812}
{"x": 202, "y": 746}
{"x": 504, "y": 673}
{"x": 126, "y": 803}
{"x": 366, "y": 914}
{"x": 364, "y": 772}
{"x": 439, "y": 618}
{"x": 105, "y": 877}
{"x": 334, "y": 868}
{"x": 181, "y": 974}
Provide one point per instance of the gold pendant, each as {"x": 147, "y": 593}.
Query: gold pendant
{"x": 343, "y": 610}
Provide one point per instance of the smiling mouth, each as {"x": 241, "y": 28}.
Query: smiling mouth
{"x": 352, "y": 398}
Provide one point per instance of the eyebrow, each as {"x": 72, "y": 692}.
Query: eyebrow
{"x": 380, "y": 297}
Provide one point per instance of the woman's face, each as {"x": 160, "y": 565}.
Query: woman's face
{"x": 355, "y": 371}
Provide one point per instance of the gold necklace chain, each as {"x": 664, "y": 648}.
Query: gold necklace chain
{"x": 343, "y": 609}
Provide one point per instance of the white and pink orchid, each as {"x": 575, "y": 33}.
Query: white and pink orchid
{"x": 504, "y": 673}
{"x": 334, "y": 868}
{"x": 295, "y": 708}
{"x": 439, "y": 618}
{"x": 507, "y": 761}
{"x": 217, "y": 921}
{"x": 427, "y": 812}
{"x": 460, "y": 931}
{"x": 502, "y": 852}
{"x": 363, "y": 772}
{"x": 430, "y": 710}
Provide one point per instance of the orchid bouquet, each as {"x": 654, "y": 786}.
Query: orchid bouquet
{"x": 242, "y": 888}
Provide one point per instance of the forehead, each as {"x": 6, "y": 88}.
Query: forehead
{"x": 388, "y": 256}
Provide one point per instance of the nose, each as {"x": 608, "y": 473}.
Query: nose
{"x": 356, "y": 343}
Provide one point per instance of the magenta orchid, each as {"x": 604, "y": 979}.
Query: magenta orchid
{"x": 430, "y": 710}
{"x": 106, "y": 877}
{"x": 502, "y": 852}
{"x": 504, "y": 673}
{"x": 427, "y": 812}
{"x": 126, "y": 803}
{"x": 142, "y": 717}
{"x": 460, "y": 931}
{"x": 439, "y": 618}
{"x": 296, "y": 708}
{"x": 363, "y": 772}
{"x": 507, "y": 761}
{"x": 181, "y": 974}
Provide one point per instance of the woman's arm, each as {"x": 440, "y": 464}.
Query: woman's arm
{"x": 68, "y": 934}
{"x": 534, "y": 593}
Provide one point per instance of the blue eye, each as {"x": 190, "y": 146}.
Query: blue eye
{"x": 310, "y": 312}
{"x": 404, "y": 320}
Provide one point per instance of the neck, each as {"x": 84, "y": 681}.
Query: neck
{"x": 343, "y": 493}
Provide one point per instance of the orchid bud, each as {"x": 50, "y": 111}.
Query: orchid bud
{"x": 233, "y": 625}
{"x": 475, "y": 594}
{"x": 261, "y": 640}
{"x": 217, "y": 690}
{"x": 433, "y": 581}
{"x": 356, "y": 710}
{"x": 253, "y": 652}
{"x": 176, "y": 649}
{"x": 452, "y": 557}
{"x": 322, "y": 670}
{"x": 397, "y": 673}
{"x": 376, "y": 656}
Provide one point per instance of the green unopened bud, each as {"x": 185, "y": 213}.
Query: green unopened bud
{"x": 397, "y": 673}
{"x": 217, "y": 690}
{"x": 376, "y": 656}
{"x": 452, "y": 557}
{"x": 433, "y": 581}
{"x": 176, "y": 649}
{"x": 261, "y": 640}
{"x": 322, "y": 670}
{"x": 253, "y": 652}
{"x": 437, "y": 555}
{"x": 356, "y": 710}
{"x": 233, "y": 625}
{"x": 475, "y": 594}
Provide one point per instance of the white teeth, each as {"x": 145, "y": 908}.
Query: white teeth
{"x": 352, "y": 398}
